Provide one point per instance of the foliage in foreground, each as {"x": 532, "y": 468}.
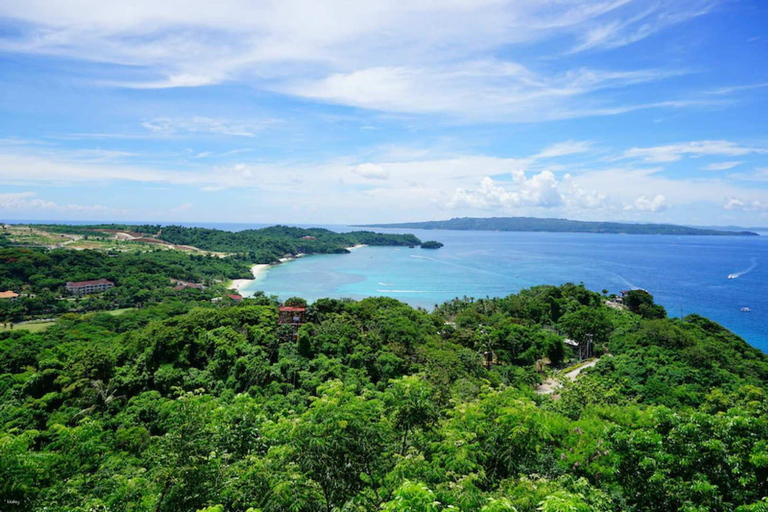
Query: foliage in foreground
{"x": 378, "y": 406}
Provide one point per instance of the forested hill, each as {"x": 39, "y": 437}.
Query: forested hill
{"x": 264, "y": 245}
{"x": 559, "y": 226}
{"x": 376, "y": 406}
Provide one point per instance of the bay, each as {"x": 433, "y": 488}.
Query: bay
{"x": 686, "y": 274}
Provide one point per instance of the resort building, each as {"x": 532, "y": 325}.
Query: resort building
{"x": 9, "y": 295}
{"x": 180, "y": 285}
{"x": 89, "y": 287}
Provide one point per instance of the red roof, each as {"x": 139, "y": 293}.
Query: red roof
{"x": 292, "y": 309}
{"x": 81, "y": 284}
{"x": 235, "y": 297}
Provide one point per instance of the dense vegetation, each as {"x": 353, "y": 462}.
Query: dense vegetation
{"x": 431, "y": 244}
{"x": 140, "y": 277}
{"x": 266, "y": 245}
{"x": 560, "y": 226}
{"x": 379, "y": 406}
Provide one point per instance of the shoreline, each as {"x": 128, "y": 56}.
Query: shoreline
{"x": 257, "y": 270}
{"x": 260, "y": 269}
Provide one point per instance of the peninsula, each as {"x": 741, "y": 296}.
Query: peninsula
{"x": 259, "y": 246}
{"x": 559, "y": 226}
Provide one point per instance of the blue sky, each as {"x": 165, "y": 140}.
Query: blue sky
{"x": 341, "y": 112}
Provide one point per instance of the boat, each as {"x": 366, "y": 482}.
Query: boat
{"x": 733, "y": 276}
{"x": 745, "y": 310}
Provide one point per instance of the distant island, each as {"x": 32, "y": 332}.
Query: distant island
{"x": 559, "y": 226}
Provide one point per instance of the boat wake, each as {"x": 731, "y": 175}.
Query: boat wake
{"x": 752, "y": 267}
{"x": 404, "y": 291}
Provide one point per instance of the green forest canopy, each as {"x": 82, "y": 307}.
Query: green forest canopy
{"x": 266, "y": 245}
{"x": 184, "y": 406}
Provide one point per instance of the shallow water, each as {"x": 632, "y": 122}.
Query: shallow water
{"x": 686, "y": 274}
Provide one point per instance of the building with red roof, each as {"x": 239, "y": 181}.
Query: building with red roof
{"x": 89, "y": 287}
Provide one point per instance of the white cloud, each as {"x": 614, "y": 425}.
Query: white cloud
{"x": 168, "y": 126}
{"x": 650, "y": 20}
{"x": 541, "y": 190}
{"x": 721, "y": 166}
{"x": 733, "y": 203}
{"x": 487, "y": 89}
{"x": 371, "y": 171}
{"x": 26, "y": 202}
{"x": 395, "y": 56}
{"x": 675, "y": 152}
{"x": 566, "y": 148}
{"x": 579, "y": 198}
{"x": 658, "y": 203}
{"x": 759, "y": 174}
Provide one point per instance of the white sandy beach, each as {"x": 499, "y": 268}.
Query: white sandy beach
{"x": 358, "y": 246}
{"x": 256, "y": 270}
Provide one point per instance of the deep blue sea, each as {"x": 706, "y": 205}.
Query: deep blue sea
{"x": 687, "y": 274}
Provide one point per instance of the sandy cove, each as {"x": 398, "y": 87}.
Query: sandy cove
{"x": 260, "y": 269}
{"x": 256, "y": 270}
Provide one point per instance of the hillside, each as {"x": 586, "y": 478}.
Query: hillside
{"x": 559, "y": 226}
{"x": 266, "y": 245}
{"x": 375, "y": 405}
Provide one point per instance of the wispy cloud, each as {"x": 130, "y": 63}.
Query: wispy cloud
{"x": 675, "y": 152}
{"x": 168, "y": 126}
{"x": 738, "y": 88}
{"x": 721, "y": 166}
{"x": 23, "y": 202}
{"x": 424, "y": 58}
{"x": 637, "y": 26}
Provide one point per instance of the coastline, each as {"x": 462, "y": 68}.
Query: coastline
{"x": 257, "y": 271}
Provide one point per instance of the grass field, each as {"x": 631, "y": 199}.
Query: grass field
{"x": 118, "y": 312}
{"x": 33, "y": 326}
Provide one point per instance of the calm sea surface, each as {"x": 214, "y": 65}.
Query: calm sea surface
{"x": 686, "y": 274}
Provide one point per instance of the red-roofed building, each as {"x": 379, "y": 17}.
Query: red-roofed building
{"x": 235, "y": 297}
{"x": 307, "y": 237}
{"x": 89, "y": 287}
{"x": 291, "y": 315}
{"x": 180, "y": 285}
{"x": 9, "y": 295}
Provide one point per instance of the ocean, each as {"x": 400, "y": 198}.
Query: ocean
{"x": 686, "y": 274}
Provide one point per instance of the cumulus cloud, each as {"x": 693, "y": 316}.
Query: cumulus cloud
{"x": 578, "y": 197}
{"x": 371, "y": 171}
{"x": 733, "y": 203}
{"x": 658, "y": 203}
{"x": 541, "y": 190}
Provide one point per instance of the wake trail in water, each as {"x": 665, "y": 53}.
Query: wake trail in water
{"x": 752, "y": 267}
{"x": 632, "y": 286}
{"x": 467, "y": 267}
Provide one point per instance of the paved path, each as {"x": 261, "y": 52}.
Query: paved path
{"x": 550, "y": 385}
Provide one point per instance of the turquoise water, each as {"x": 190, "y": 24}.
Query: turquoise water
{"x": 685, "y": 274}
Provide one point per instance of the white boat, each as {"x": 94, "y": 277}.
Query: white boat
{"x": 745, "y": 310}
{"x": 733, "y": 276}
